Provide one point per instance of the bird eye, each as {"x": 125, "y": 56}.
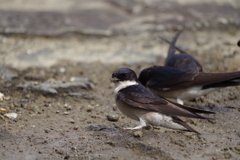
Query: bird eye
{"x": 125, "y": 75}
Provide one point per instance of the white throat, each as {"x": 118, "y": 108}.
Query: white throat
{"x": 123, "y": 85}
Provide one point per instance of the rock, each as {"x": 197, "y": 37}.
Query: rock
{"x": 75, "y": 128}
{"x": 227, "y": 155}
{"x": 110, "y": 143}
{"x": 7, "y": 74}
{"x": 72, "y": 121}
{"x": 82, "y": 95}
{"x": 11, "y": 115}
{"x": 53, "y": 86}
{"x": 113, "y": 117}
{"x": 27, "y": 96}
{"x": 138, "y": 134}
{"x": 1, "y": 97}
{"x": 89, "y": 109}
{"x": 6, "y": 98}
{"x": 66, "y": 113}
{"x": 3, "y": 110}
{"x": 62, "y": 70}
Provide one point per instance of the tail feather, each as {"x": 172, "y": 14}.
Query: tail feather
{"x": 172, "y": 47}
{"x": 194, "y": 110}
{"x": 222, "y": 84}
{"x": 188, "y": 128}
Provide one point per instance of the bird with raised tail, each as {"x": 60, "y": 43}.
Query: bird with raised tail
{"x": 184, "y": 85}
{"x": 183, "y": 60}
{"x": 138, "y": 103}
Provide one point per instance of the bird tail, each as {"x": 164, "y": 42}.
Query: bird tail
{"x": 188, "y": 128}
{"x": 227, "y": 83}
{"x": 172, "y": 46}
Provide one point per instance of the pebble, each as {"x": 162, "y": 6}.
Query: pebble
{"x": 3, "y": 110}
{"x": 113, "y": 117}
{"x": 1, "y": 97}
{"x": 66, "y": 113}
{"x": 27, "y": 96}
{"x": 75, "y": 128}
{"x": 72, "y": 121}
{"x": 69, "y": 108}
{"x": 7, "y": 98}
{"x": 138, "y": 134}
{"x": 89, "y": 109}
{"x": 11, "y": 115}
{"x": 62, "y": 70}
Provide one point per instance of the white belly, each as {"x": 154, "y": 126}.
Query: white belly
{"x": 152, "y": 118}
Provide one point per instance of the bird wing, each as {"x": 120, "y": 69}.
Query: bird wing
{"x": 167, "y": 78}
{"x": 139, "y": 97}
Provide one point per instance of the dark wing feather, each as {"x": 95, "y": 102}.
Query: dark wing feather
{"x": 165, "y": 78}
{"x": 212, "y": 80}
{"x": 140, "y": 97}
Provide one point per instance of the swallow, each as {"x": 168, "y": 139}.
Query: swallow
{"x": 138, "y": 103}
{"x": 184, "y": 85}
{"x": 183, "y": 60}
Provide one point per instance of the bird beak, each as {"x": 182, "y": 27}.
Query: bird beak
{"x": 114, "y": 79}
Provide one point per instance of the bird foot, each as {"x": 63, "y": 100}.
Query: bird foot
{"x": 134, "y": 128}
{"x": 180, "y": 101}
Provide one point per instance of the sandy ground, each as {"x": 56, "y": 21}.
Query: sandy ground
{"x": 73, "y": 123}
{"x": 65, "y": 127}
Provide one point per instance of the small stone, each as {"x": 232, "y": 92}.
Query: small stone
{"x": 72, "y": 121}
{"x": 27, "y": 96}
{"x": 65, "y": 105}
{"x": 227, "y": 155}
{"x": 138, "y": 134}
{"x": 113, "y": 117}
{"x": 66, "y": 113}
{"x": 7, "y": 98}
{"x": 57, "y": 111}
{"x": 114, "y": 107}
{"x": 11, "y": 115}
{"x": 110, "y": 143}
{"x": 1, "y": 97}
{"x": 75, "y": 128}
{"x": 89, "y": 109}
{"x": 74, "y": 148}
{"x": 62, "y": 70}
{"x": 69, "y": 108}
{"x": 3, "y": 110}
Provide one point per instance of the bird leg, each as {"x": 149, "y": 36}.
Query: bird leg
{"x": 142, "y": 124}
{"x": 180, "y": 101}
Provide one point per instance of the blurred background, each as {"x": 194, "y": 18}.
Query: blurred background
{"x": 111, "y": 30}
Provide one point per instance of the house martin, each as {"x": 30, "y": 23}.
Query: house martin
{"x": 139, "y": 103}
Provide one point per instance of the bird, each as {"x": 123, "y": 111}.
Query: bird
{"x": 138, "y": 103}
{"x": 238, "y": 43}
{"x": 183, "y": 85}
{"x": 183, "y": 60}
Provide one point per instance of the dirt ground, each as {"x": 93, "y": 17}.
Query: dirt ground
{"x": 64, "y": 126}
{"x": 55, "y": 70}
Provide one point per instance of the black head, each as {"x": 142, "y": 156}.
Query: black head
{"x": 145, "y": 76}
{"x": 124, "y": 74}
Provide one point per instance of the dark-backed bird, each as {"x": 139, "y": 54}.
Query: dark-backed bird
{"x": 138, "y": 103}
{"x": 183, "y": 60}
{"x": 184, "y": 85}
